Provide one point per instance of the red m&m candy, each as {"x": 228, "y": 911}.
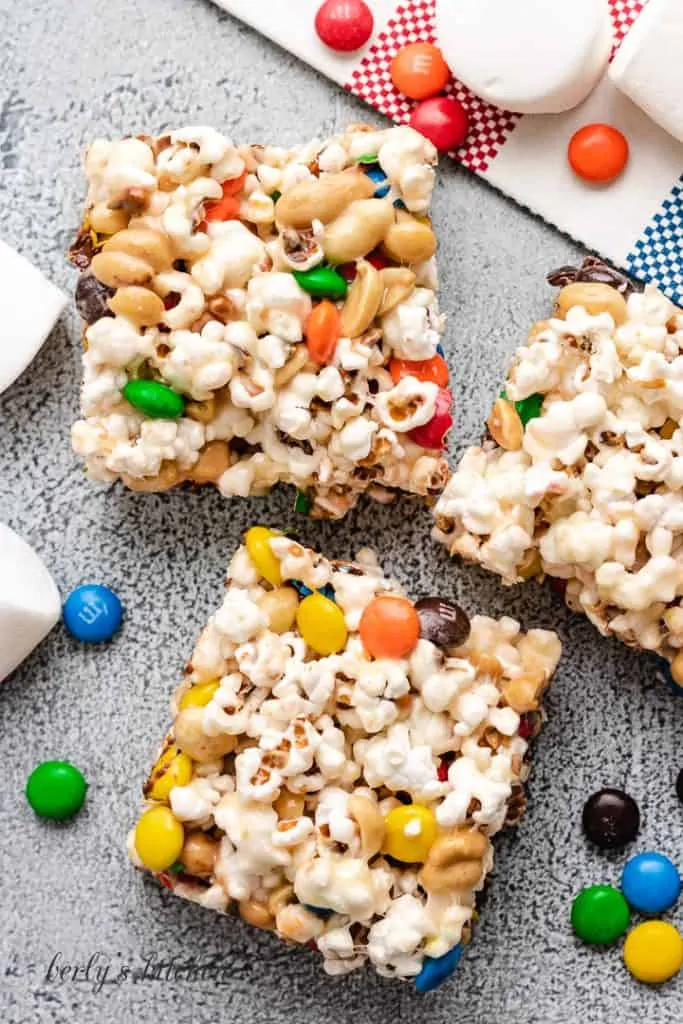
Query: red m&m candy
{"x": 443, "y": 121}
{"x": 433, "y": 434}
{"x": 344, "y": 25}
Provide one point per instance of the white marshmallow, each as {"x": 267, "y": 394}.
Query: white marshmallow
{"x": 533, "y": 56}
{"x": 29, "y": 600}
{"x": 648, "y": 68}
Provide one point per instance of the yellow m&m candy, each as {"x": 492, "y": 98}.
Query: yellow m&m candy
{"x": 258, "y": 541}
{"x": 159, "y": 838}
{"x": 410, "y": 832}
{"x": 653, "y": 952}
{"x": 198, "y": 696}
{"x": 322, "y": 625}
{"x": 172, "y": 769}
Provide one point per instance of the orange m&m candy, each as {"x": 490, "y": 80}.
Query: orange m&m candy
{"x": 433, "y": 369}
{"x": 323, "y": 331}
{"x": 389, "y": 627}
{"x": 419, "y": 70}
{"x": 598, "y": 153}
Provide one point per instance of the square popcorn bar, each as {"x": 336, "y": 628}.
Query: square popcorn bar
{"x": 580, "y": 474}
{"x": 340, "y": 759}
{"x": 257, "y": 315}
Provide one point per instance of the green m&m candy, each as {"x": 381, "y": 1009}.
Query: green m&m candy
{"x": 154, "y": 399}
{"x": 56, "y": 789}
{"x": 322, "y": 283}
{"x": 600, "y": 914}
{"x": 529, "y": 408}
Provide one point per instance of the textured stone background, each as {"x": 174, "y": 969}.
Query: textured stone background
{"x": 72, "y": 71}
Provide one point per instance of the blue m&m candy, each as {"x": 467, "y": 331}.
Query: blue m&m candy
{"x": 377, "y": 175}
{"x": 436, "y": 969}
{"x": 92, "y": 613}
{"x": 651, "y": 883}
{"x": 322, "y": 912}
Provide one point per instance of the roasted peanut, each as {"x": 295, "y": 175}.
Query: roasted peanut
{"x": 140, "y": 305}
{"x": 294, "y": 922}
{"x": 202, "y": 412}
{"x": 322, "y": 198}
{"x": 409, "y": 240}
{"x": 256, "y": 913}
{"x": 279, "y": 898}
{"x": 530, "y": 565}
{"x": 168, "y": 476}
{"x": 287, "y": 372}
{"x": 523, "y": 693}
{"x": 193, "y": 741}
{"x": 366, "y": 814}
{"x": 676, "y": 669}
{"x": 289, "y": 805}
{"x": 362, "y": 301}
{"x": 106, "y": 221}
{"x": 594, "y": 297}
{"x": 505, "y": 426}
{"x": 212, "y": 463}
{"x": 358, "y": 230}
{"x": 399, "y": 284}
{"x": 538, "y": 328}
{"x": 151, "y": 246}
{"x": 486, "y": 664}
{"x": 280, "y": 605}
{"x": 455, "y": 861}
{"x": 198, "y": 855}
{"x": 117, "y": 269}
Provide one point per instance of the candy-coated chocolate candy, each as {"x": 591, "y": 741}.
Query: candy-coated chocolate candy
{"x": 433, "y": 434}
{"x": 323, "y": 330}
{"x": 322, "y": 282}
{"x": 172, "y": 769}
{"x": 441, "y": 351}
{"x": 434, "y": 370}
{"x": 92, "y": 613}
{"x": 679, "y": 785}
{"x": 322, "y": 625}
{"x": 159, "y": 838}
{"x": 437, "y": 969}
{"x": 410, "y": 833}
{"x": 651, "y": 883}
{"x": 91, "y": 298}
{"x": 344, "y": 25}
{"x": 418, "y": 71}
{"x": 443, "y": 121}
{"x": 56, "y": 789}
{"x": 600, "y": 915}
{"x": 198, "y": 696}
{"x": 321, "y": 912}
{"x": 442, "y": 623}
{"x": 610, "y": 818}
{"x": 154, "y": 399}
{"x": 598, "y": 153}
{"x": 653, "y": 952}
{"x": 377, "y": 175}
{"x": 529, "y": 408}
{"x": 257, "y": 540}
{"x": 389, "y": 627}
{"x": 302, "y": 503}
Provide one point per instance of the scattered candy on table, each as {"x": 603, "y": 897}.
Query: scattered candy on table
{"x": 436, "y": 970}
{"x": 653, "y": 952}
{"x": 600, "y": 915}
{"x": 598, "y": 153}
{"x": 419, "y": 71}
{"x": 410, "y": 833}
{"x": 92, "y": 613}
{"x": 154, "y": 399}
{"x": 442, "y": 623}
{"x": 610, "y": 818}
{"x": 651, "y": 883}
{"x": 56, "y": 789}
{"x": 389, "y": 627}
{"x": 344, "y": 25}
{"x": 443, "y": 120}
{"x": 159, "y": 838}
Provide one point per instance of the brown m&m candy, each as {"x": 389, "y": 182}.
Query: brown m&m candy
{"x": 610, "y": 818}
{"x": 442, "y": 623}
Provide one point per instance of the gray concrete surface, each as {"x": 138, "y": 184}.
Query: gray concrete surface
{"x": 71, "y": 71}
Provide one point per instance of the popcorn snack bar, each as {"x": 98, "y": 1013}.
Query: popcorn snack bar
{"x": 340, "y": 759}
{"x": 579, "y": 476}
{"x": 257, "y": 315}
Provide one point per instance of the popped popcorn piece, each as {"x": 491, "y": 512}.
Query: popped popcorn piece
{"x": 320, "y": 749}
